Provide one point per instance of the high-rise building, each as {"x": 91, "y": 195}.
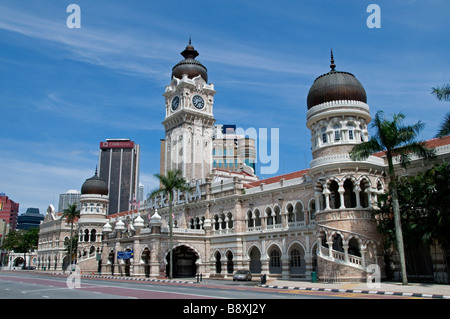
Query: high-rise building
{"x": 68, "y": 198}
{"x": 9, "y": 211}
{"x": 231, "y": 151}
{"x": 119, "y": 167}
{"x": 31, "y": 219}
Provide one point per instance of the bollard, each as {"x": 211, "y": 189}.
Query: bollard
{"x": 314, "y": 276}
{"x": 263, "y": 279}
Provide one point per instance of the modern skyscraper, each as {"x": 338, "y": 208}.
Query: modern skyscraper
{"x": 232, "y": 151}
{"x": 31, "y": 219}
{"x": 119, "y": 166}
{"x": 70, "y": 197}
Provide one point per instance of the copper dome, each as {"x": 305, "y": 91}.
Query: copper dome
{"x": 94, "y": 185}
{"x": 335, "y": 86}
{"x": 189, "y": 66}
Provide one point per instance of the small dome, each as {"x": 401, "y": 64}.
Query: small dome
{"x": 189, "y": 66}
{"x": 335, "y": 86}
{"x": 107, "y": 228}
{"x": 138, "y": 222}
{"x": 120, "y": 225}
{"x": 94, "y": 185}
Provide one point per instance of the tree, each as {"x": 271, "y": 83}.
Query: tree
{"x": 21, "y": 241}
{"x": 424, "y": 201}
{"x": 71, "y": 214}
{"x": 443, "y": 94}
{"x": 397, "y": 141}
{"x": 171, "y": 182}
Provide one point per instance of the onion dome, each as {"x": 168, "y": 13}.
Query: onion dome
{"x": 335, "y": 86}
{"x": 189, "y": 66}
{"x": 120, "y": 225}
{"x": 138, "y": 222}
{"x": 107, "y": 228}
{"x": 94, "y": 185}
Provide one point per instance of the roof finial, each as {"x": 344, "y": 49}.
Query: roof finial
{"x": 332, "y": 66}
{"x": 95, "y": 169}
{"x": 189, "y": 39}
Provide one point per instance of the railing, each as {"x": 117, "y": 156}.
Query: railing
{"x": 184, "y": 231}
{"x": 297, "y": 224}
{"x": 223, "y": 231}
{"x": 340, "y": 257}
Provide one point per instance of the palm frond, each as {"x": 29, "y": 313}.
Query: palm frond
{"x": 442, "y": 93}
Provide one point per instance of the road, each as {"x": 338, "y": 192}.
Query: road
{"x": 31, "y": 285}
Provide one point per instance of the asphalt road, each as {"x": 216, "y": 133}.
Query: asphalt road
{"x": 30, "y": 285}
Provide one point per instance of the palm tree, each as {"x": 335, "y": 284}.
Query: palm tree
{"x": 397, "y": 141}
{"x": 171, "y": 182}
{"x": 71, "y": 214}
{"x": 443, "y": 94}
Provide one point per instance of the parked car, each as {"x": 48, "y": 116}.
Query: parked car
{"x": 242, "y": 275}
{"x": 29, "y": 268}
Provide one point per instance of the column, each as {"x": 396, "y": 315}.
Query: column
{"x": 326, "y": 192}
{"x": 357, "y": 190}
{"x": 341, "y": 191}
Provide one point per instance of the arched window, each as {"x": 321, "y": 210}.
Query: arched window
{"x": 250, "y": 221}
{"x": 349, "y": 194}
{"x": 230, "y": 266}
{"x": 290, "y": 213}
{"x": 335, "y": 200}
{"x": 353, "y": 247}
{"x": 257, "y": 218}
{"x": 218, "y": 263}
{"x": 277, "y": 215}
{"x": 299, "y": 215}
{"x": 269, "y": 215}
{"x": 216, "y": 222}
{"x": 351, "y": 132}
{"x": 363, "y": 196}
{"x": 324, "y": 134}
{"x": 93, "y": 235}
{"x": 337, "y": 132}
{"x": 230, "y": 220}
{"x": 86, "y": 235}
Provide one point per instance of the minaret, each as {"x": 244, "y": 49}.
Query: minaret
{"x": 189, "y": 119}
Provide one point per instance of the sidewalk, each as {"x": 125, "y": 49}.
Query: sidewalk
{"x": 422, "y": 290}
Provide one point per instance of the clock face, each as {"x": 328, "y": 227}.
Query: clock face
{"x": 175, "y": 103}
{"x": 198, "y": 102}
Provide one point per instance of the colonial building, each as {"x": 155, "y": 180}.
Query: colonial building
{"x": 317, "y": 219}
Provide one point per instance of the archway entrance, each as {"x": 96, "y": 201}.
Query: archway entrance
{"x": 184, "y": 259}
{"x": 255, "y": 261}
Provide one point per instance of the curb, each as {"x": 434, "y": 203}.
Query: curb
{"x": 139, "y": 279}
{"x": 374, "y": 292}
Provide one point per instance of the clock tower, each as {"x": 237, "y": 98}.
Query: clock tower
{"x": 189, "y": 119}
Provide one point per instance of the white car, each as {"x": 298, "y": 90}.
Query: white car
{"x": 242, "y": 275}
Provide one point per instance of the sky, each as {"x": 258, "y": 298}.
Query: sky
{"x": 64, "y": 90}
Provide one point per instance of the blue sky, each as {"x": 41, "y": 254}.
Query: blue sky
{"x": 62, "y": 90}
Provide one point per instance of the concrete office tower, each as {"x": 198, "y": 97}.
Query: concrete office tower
{"x": 119, "y": 166}
{"x": 232, "y": 151}
{"x": 68, "y": 198}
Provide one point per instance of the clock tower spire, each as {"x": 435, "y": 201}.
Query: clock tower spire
{"x": 189, "y": 119}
